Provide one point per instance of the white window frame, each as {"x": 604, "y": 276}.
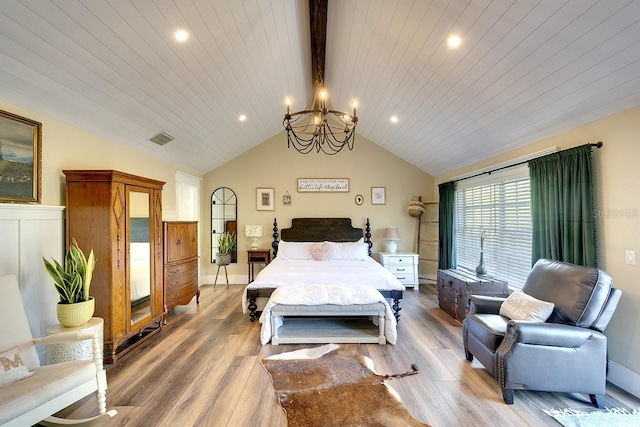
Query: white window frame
{"x": 500, "y": 205}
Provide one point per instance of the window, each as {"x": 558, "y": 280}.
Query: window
{"x": 499, "y": 205}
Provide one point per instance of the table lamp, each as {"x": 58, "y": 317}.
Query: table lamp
{"x": 253, "y": 231}
{"x": 391, "y": 235}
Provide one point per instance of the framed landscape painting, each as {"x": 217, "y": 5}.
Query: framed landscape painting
{"x": 20, "y": 159}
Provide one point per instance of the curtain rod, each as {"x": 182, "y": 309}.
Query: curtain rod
{"x": 598, "y": 144}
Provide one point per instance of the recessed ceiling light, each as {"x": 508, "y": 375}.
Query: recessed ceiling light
{"x": 181, "y": 35}
{"x": 394, "y": 119}
{"x": 242, "y": 117}
{"x": 454, "y": 41}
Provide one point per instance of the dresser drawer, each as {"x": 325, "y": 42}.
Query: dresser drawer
{"x": 406, "y": 278}
{"x": 173, "y": 270}
{"x": 180, "y": 281}
{"x": 398, "y": 259}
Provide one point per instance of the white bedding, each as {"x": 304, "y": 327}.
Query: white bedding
{"x": 320, "y": 294}
{"x": 140, "y": 270}
{"x": 304, "y": 272}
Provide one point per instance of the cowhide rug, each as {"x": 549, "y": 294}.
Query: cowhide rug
{"x": 335, "y": 386}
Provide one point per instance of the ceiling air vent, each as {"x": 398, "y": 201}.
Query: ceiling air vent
{"x": 162, "y": 138}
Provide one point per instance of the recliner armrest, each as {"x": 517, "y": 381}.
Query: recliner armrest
{"x": 485, "y": 304}
{"x": 550, "y": 334}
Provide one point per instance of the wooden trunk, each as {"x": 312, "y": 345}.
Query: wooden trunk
{"x": 180, "y": 263}
{"x": 108, "y": 211}
{"x": 455, "y": 288}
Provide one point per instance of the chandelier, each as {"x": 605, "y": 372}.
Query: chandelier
{"x": 319, "y": 127}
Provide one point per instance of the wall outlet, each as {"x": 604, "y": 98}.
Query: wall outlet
{"x": 630, "y": 256}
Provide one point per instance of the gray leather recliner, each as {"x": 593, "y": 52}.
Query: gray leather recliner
{"x": 567, "y": 353}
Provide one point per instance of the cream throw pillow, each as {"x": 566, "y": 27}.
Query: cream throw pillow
{"x": 12, "y": 367}
{"x": 520, "y": 306}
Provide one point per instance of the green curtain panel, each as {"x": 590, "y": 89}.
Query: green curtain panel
{"x": 446, "y": 229}
{"x": 562, "y": 207}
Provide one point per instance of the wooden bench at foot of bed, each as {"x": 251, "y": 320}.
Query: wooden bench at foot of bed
{"x": 258, "y": 298}
{"x": 328, "y": 324}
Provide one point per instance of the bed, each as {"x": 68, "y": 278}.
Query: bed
{"x": 292, "y": 267}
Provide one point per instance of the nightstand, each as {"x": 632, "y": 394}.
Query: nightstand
{"x": 403, "y": 265}
{"x": 257, "y": 256}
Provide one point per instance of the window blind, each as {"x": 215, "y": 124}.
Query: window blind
{"x": 500, "y": 205}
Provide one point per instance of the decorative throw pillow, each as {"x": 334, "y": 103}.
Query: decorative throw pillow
{"x": 12, "y": 368}
{"x": 321, "y": 251}
{"x": 520, "y": 306}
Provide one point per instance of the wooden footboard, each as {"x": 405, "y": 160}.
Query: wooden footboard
{"x": 254, "y": 296}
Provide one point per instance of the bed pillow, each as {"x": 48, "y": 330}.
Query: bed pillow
{"x": 520, "y": 306}
{"x": 294, "y": 250}
{"x": 12, "y": 368}
{"x": 321, "y": 251}
{"x": 350, "y": 251}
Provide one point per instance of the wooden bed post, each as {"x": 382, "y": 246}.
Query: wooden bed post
{"x": 274, "y": 244}
{"x": 367, "y": 236}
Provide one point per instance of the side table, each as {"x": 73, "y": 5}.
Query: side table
{"x": 257, "y": 256}
{"x": 80, "y": 350}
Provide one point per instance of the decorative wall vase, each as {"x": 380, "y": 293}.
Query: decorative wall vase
{"x": 481, "y": 269}
{"x": 77, "y": 314}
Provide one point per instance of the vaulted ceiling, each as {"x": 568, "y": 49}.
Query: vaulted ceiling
{"x": 525, "y": 70}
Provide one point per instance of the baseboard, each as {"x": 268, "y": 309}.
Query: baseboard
{"x": 624, "y": 378}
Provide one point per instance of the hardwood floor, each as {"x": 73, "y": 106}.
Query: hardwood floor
{"x": 204, "y": 369}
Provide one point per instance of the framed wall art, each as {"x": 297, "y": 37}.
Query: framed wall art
{"x": 264, "y": 199}
{"x": 20, "y": 159}
{"x": 286, "y": 199}
{"x": 378, "y": 196}
{"x": 323, "y": 185}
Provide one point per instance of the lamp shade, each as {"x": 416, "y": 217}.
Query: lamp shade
{"x": 391, "y": 235}
{"x": 253, "y": 230}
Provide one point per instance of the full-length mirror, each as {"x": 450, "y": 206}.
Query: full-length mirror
{"x": 224, "y": 219}
{"x": 139, "y": 256}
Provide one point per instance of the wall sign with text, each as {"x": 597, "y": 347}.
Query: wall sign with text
{"x": 323, "y": 185}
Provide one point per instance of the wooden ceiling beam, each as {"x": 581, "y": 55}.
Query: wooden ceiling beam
{"x": 318, "y": 26}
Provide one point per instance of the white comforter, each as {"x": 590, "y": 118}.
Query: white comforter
{"x": 344, "y": 273}
{"x": 320, "y": 294}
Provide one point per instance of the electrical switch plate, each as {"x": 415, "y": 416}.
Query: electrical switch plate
{"x": 631, "y": 256}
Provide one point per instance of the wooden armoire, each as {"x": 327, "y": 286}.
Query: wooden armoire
{"x": 119, "y": 216}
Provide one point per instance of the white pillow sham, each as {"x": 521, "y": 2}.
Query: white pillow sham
{"x": 520, "y": 306}
{"x": 294, "y": 250}
{"x": 350, "y": 251}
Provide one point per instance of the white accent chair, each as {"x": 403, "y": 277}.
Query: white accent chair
{"x": 50, "y": 388}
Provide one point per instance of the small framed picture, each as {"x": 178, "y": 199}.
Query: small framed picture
{"x": 264, "y": 199}
{"x": 378, "y": 195}
{"x": 286, "y": 199}
{"x": 359, "y": 199}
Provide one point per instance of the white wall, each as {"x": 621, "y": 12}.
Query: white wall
{"x": 30, "y": 233}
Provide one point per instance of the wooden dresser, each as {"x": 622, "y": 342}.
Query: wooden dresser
{"x": 180, "y": 263}
{"x": 455, "y": 288}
